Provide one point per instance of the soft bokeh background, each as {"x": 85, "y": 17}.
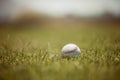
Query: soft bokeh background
{"x": 33, "y": 32}
{"x": 13, "y": 10}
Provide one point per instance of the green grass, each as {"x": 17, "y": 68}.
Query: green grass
{"x": 35, "y": 54}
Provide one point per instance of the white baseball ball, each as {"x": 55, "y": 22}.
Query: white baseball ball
{"x": 70, "y": 50}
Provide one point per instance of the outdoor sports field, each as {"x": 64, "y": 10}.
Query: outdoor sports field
{"x": 35, "y": 54}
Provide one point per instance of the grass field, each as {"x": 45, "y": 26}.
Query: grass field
{"x": 34, "y": 54}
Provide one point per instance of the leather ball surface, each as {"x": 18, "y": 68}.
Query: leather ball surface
{"x": 70, "y": 50}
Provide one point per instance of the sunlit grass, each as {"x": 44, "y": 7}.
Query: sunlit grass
{"x": 35, "y": 54}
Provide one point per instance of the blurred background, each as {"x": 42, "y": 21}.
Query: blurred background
{"x": 39, "y": 12}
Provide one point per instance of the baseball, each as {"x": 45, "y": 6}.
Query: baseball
{"x": 70, "y": 50}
